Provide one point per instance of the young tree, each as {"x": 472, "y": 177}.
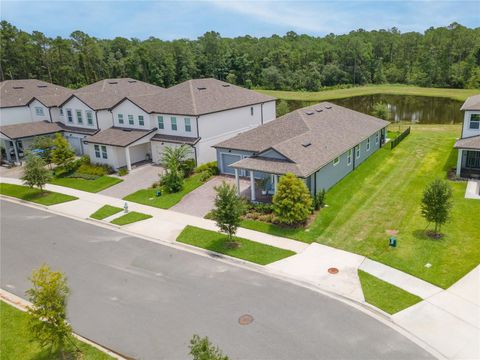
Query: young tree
{"x": 173, "y": 159}
{"x": 48, "y": 313}
{"x": 62, "y": 154}
{"x": 437, "y": 203}
{"x": 228, "y": 210}
{"x": 35, "y": 173}
{"x": 202, "y": 349}
{"x": 282, "y": 108}
{"x": 381, "y": 111}
{"x": 292, "y": 202}
{"x": 45, "y": 144}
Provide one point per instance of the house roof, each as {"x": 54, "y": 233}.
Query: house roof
{"x": 309, "y": 137}
{"x": 107, "y": 93}
{"x": 472, "y": 142}
{"x": 472, "y": 103}
{"x": 268, "y": 165}
{"x": 21, "y": 92}
{"x": 198, "y": 97}
{"x": 77, "y": 129}
{"x": 116, "y": 136}
{"x": 175, "y": 139}
{"x": 25, "y": 130}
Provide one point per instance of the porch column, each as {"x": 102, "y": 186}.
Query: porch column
{"x": 459, "y": 161}
{"x": 6, "y": 143}
{"x": 275, "y": 183}
{"x": 15, "y": 148}
{"x": 252, "y": 186}
{"x": 237, "y": 181}
{"x": 127, "y": 157}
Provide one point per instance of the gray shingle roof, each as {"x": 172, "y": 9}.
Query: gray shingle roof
{"x": 22, "y": 92}
{"x": 472, "y": 103}
{"x": 121, "y": 137}
{"x": 175, "y": 139}
{"x": 77, "y": 129}
{"x": 271, "y": 166}
{"x": 472, "y": 142}
{"x": 329, "y": 129}
{"x": 19, "y": 131}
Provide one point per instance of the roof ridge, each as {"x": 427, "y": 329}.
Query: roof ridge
{"x": 193, "y": 96}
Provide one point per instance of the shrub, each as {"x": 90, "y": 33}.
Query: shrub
{"x": 319, "y": 200}
{"x": 205, "y": 175}
{"x": 123, "y": 172}
{"x": 187, "y": 167}
{"x": 62, "y": 153}
{"x": 263, "y": 208}
{"x": 78, "y": 175}
{"x": 172, "y": 181}
{"x": 211, "y": 167}
{"x": 90, "y": 169}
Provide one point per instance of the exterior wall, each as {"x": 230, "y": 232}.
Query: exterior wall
{"x": 128, "y": 108}
{"x": 105, "y": 119}
{"x": 467, "y": 132}
{"x": 15, "y": 115}
{"x": 37, "y": 104}
{"x": 76, "y": 141}
{"x": 223, "y": 167}
{"x": 75, "y": 104}
{"x": 167, "y": 124}
{"x": 114, "y": 156}
{"x": 56, "y": 115}
{"x": 158, "y": 147}
{"x": 269, "y": 111}
{"x": 272, "y": 154}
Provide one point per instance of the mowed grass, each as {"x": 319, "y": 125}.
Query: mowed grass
{"x": 385, "y": 296}
{"x": 384, "y": 193}
{"x": 129, "y": 218}
{"x": 394, "y": 89}
{"x": 93, "y": 186}
{"x": 15, "y": 340}
{"x": 34, "y": 195}
{"x": 218, "y": 242}
{"x": 105, "y": 211}
{"x": 165, "y": 200}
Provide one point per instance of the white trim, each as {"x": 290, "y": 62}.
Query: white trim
{"x": 336, "y": 161}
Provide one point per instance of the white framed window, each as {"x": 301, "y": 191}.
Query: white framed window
{"x": 69, "y": 116}
{"x": 141, "y": 120}
{"x": 120, "y": 118}
{"x": 357, "y": 151}
{"x": 475, "y": 121}
{"x": 97, "y": 151}
{"x": 377, "y": 137}
{"x": 336, "y": 161}
{"x": 79, "y": 116}
{"x": 104, "y": 152}
{"x": 349, "y": 157}
{"x": 188, "y": 125}
{"x": 251, "y": 111}
{"x": 131, "y": 120}
{"x": 89, "y": 117}
{"x": 173, "y": 119}
{"x": 368, "y": 144}
{"x": 161, "y": 124}
{"x": 39, "y": 111}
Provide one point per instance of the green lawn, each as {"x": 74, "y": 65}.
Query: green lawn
{"x": 247, "y": 250}
{"x": 385, "y": 296}
{"x": 93, "y": 186}
{"x": 34, "y": 195}
{"x": 105, "y": 211}
{"x": 15, "y": 341}
{"x": 129, "y": 218}
{"x": 395, "y": 89}
{"x": 164, "y": 201}
{"x": 384, "y": 193}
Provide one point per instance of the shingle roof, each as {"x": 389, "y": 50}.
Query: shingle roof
{"x": 116, "y": 136}
{"x": 175, "y": 139}
{"x": 472, "y": 103}
{"x": 106, "y": 93}
{"x": 19, "y": 131}
{"x": 198, "y": 97}
{"x": 310, "y": 137}
{"x": 77, "y": 129}
{"x": 472, "y": 142}
{"x": 271, "y": 166}
{"x": 22, "y": 92}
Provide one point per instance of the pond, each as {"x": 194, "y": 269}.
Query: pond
{"x": 404, "y": 108}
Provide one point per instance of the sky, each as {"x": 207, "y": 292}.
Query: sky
{"x": 190, "y": 19}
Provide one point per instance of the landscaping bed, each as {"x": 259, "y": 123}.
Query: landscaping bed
{"x": 34, "y": 195}
{"x": 247, "y": 250}
{"x": 105, "y": 211}
{"x": 130, "y": 218}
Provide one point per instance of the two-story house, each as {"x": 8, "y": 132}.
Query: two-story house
{"x": 468, "y": 161}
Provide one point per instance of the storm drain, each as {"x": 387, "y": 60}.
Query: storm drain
{"x": 245, "y": 319}
{"x": 333, "y": 270}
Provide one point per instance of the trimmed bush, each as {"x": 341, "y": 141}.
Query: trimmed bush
{"x": 123, "y": 172}
{"x": 211, "y": 167}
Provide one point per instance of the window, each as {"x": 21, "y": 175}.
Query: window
{"x": 251, "y": 111}
{"x": 69, "y": 116}
{"x": 79, "y": 117}
{"x": 377, "y": 136}
{"x": 475, "y": 121}
{"x": 174, "y": 123}
{"x": 188, "y": 125}
{"x": 368, "y": 144}
{"x": 131, "y": 121}
{"x": 97, "y": 151}
{"x": 61, "y": 111}
{"x": 39, "y": 111}
{"x": 89, "y": 117}
{"x": 357, "y": 151}
{"x": 349, "y": 157}
{"x": 160, "y": 122}
{"x": 141, "y": 121}
{"x": 336, "y": 161}
{"x": 104, "y": 152}
{"x": 120, "y": 118}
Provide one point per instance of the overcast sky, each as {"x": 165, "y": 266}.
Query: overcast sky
{"x": 190, "y": 19}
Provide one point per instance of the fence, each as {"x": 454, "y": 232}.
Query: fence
{"x": 399, "y": 138}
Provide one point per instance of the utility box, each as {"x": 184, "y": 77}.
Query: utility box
{"x": 392, "y": 242}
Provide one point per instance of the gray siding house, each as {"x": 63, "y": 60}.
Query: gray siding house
{"x": 320, "y": 144}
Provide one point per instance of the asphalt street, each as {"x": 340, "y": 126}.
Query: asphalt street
{"x": 146, "y": 300}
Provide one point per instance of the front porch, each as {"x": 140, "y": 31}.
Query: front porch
{"x": 262, "y": 186}
{"x": 468, "y": 164}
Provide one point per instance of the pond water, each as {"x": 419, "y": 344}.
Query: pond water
{"x": 404, "y": 108}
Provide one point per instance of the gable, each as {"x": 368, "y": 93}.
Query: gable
{"x": 272, "y": 154}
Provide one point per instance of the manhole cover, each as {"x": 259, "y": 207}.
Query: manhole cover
{"x": 245, "y": 319}
{"x": 333, "y": 270}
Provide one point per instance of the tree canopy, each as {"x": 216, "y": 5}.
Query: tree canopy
{"x": 440, "y": 57}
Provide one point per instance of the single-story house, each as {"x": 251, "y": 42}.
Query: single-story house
{"x": 321, "y": 144}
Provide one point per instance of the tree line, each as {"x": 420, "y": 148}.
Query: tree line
{"x": 440, "y": 57}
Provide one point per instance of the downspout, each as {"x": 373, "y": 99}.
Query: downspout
{"x": 261, "y": 112}
{"x": 96, "y": 120}
{"x": 50, "y": 114}
{"x": 354, "y": 156}
{"x": 195, "y": 152}
{"x": 198, "y": 131}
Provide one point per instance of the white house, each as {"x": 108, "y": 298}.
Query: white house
{"x": 468, "y": 161}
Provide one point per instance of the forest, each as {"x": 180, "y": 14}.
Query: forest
{"x": 440, "y": 57}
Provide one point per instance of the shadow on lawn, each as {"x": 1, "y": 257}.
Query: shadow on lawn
{"x": 424, "y": 235}
{"x": 451, "y": 161}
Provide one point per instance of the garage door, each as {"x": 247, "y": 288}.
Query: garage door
{"x": 227, "y": 160}
{"x": 76, "y": 144}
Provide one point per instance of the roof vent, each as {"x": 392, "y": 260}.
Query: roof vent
{"x": 318, "y": 110}
{"x": 42, "y": 86}
{"x": 113, "y": 82}
{"x": 306, "y": 144}
{"x": 328, "y": 107}
{"x": 201, "y": 88}
{"x": 132, "y": 81}
{"x": 226, "y": 85}
{"x": 18, "y": 87}
{"x": 309, "y": 112}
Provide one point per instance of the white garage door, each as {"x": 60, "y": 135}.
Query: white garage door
{"x": 227, "y": 160}
{"x": 76, "y": 144}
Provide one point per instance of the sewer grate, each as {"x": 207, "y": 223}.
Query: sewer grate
{"x": 245, "y": 319}
{"x": 333, "y": 270}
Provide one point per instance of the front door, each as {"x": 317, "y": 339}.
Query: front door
{"x": 473, "y": 160}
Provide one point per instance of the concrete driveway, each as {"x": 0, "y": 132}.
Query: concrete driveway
{"x": 200, "y": 201}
